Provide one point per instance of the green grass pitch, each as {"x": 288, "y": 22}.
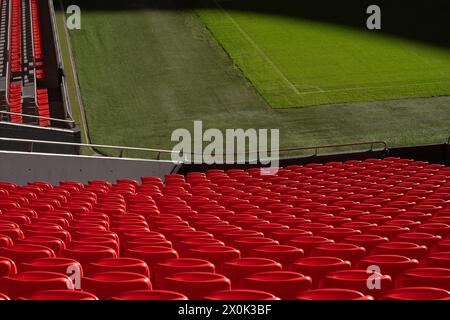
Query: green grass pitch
{"x": 294, "y": 62}
{"x": 146, "y": 72}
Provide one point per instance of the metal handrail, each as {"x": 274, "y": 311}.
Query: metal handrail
{"x": 316, "y": 148}
{"x": 159, "y": 151}
{"x": 36, "y": 117}
{"x": 121, "y": 148}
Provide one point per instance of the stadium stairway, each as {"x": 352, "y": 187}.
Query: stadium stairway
{"x": 23, "y": 70}
{"x": 308, "y": 232}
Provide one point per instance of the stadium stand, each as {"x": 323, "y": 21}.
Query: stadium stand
{"x": 309, "y": 232}
{"x": 23, "y": 98}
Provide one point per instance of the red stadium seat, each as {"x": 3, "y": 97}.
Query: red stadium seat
{"x": 333, "y": 294}
{"x": 60, "y": 295}
{"x": 110, "y": 284}
{"x": 344, "y": 251}
{"x": 118, "y": 264}
{"x": 170, "y": 267}
{"x": 52, "y": 264}
{"x": 417, "y": 293}
{"x": 86, "y": 254}
{"x": 152, "y": 254}
{"x": 283, "y": 284}
{"x": 150, "y": 295}
{"x": 7, "y": 267}
{"x": 319, "y": 267}
{"x": 432, "y": 277}
{"x": 196, "y": 285}
{"x": 26, "y": 283}
{"x": 285, "y": 255}
{"x": 241, "y": 295}
{"x": 238, "y": 269}
{"x": 392, "y": 265}
{"x": 358, "y": 280}
{"x": 408, "y": 249}
{"x": 26, "y": 252}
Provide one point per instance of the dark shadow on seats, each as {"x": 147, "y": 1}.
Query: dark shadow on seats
{"x": 425, "y": 21}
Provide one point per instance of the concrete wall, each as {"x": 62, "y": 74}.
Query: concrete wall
{"x": 21, "y": 167}
{"x": 12, "y": 130}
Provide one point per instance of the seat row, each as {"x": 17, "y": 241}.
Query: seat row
{"x": 373, "y": 229}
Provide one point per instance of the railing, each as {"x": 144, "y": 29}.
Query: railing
{"x": 32, "y": 143}
{"x": 160, "y": 152}
{"x": 37, "y": 117}
{"x": 316, "y": 149}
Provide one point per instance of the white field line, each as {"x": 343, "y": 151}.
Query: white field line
{"x": 373, "y": 87}
{"x": 257, "y": 48}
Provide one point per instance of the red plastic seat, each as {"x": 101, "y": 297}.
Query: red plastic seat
{"x": 374, "y": 218}
{"x": 238, "y": 269}
{"x": 196, "y": 285}
{"x": 241, "y": 295}
{"x": 333, "y": 294}
{"x": 60, "y": 295}
{"x": 58, "y": 265}
{"x": 4, "y": 297}
{"x": 110, "y": 284}
{"x": 284, "y": 254}
{"x": 170, "y": 267}
{"x": 438, "y": 229}
{"x": 357, "y": 280}
{"x": 392, "y": 265}
{"x": 5, "y": 241}
{"x": 247, "y": 244}
{"x": 339, "y": 233}
{"x": 7, "y": 267}
{"x": 184, "y": 235}
{"x": 216, "y": 254}
{"x": 152, "y": 254}
{"x": 388, "y": 231}
{"x": 359, "y": 225}
{"x": 11, "y": 230}
{"x": 26, "y": 283}
{"x": 319, "y": 267}
{"x": 308, "y": 243}
{"x": 119, "y": 264}
{"x": 443, "y": 245}
{"x": 345, "y": 251}
{"x": 426, "y": 277}
{"x": 420, "y": 238}
{"x": 218, "y": 230}
{"x": 417, "y": 293}
{"x": 438, "y": 260}
{"x": 56, "y": 244}
{"x": 283, "y": 284}
{"x": 366, "y": 241}
{"x": 150, "y": 295}
{"x": 61, "y": 234}
{"x": 86, "y": 254}
{"x": 185, "y": 245}
{"x": 407, "y": 249}
{"x": 284, "y": 235}
{"x": 26, "y": 252}
{"x": 415, "y": 216}
{"x": 147, "y": 241}
{"x": 314, "y": 227}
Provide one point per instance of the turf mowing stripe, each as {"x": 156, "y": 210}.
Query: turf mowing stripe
{"x": 260, "y": 51}
{"x": 374, "y": 87}
{"x": 325, "y": 63}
